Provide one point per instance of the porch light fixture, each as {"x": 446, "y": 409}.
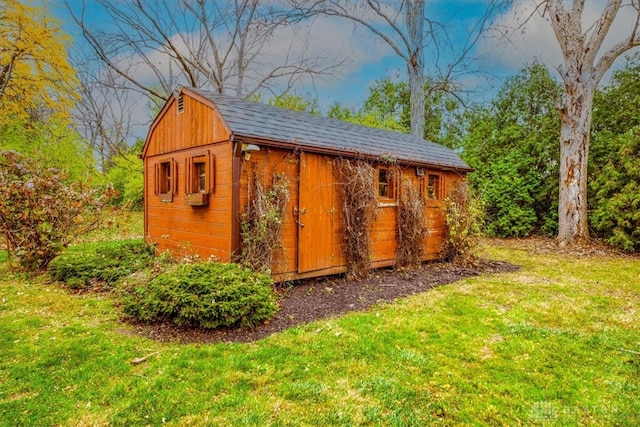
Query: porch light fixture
{"x": 247, "y": 149}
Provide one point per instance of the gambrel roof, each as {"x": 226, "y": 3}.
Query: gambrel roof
{"x": 255, "y": 121}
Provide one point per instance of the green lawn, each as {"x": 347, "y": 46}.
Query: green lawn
{"x": 557, "y": 343}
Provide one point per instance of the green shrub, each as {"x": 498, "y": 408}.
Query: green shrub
{"x": 509, "y": 197}
{"x": 104, "y": 262}
{"x": 208, "y": 295}
{"x": 127, "y": 178}
{"x": 615, "y": 194}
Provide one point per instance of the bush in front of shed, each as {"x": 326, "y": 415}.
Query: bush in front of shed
{"x": 102, "y": 263}
{"x": 464, "y": 212}
{"x": 207, "y": 295}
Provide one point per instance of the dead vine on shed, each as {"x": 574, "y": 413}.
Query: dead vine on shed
{"x": 261, "y": 223}
{"x": 464, "y": 213}
{"x": 359, "y": 211}
{"x": 412, "y": 232}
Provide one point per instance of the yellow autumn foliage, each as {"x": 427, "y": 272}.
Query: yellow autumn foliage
{"x": 36, "y": 77}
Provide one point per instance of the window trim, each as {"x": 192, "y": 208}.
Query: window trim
{"x": 192, "y": 183}
{"x": 391, "y": 199}
{"x": 437, "y": 191}
{"x": 166, "y": 186}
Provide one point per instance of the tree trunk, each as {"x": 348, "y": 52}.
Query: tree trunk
{"x": 416, "y": 99}
{"x": 415, "y": 65}
{"x": 574, "y": 154}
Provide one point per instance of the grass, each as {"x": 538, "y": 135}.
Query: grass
{"x": 556, "y": 343}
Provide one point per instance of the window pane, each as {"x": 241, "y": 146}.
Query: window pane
{"x": 202, "y": 177}
{"x": 383, "y": 183}
{"x": 165, "y": 177}
{"x": 434, "y": 187}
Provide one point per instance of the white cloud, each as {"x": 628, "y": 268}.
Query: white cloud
{"x": 525, "y": 34}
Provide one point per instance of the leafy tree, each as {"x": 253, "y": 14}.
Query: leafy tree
{"x": 508, "y": 197}
{"x": 35, "y": 75}
{"x": 585, "y": 62}
{"x": 126, "y": 175}
{"x": 389, "y": 101}
{"x": 52, "y": 142}
{"x": 616, "y": 190}
{"x": 614, "y": 113}
{"x": 40, "y": 214}
{"x": 512, "y": 146}
{"x": 295, "y": 102}
{"x": 387, "y": 107}
{"x": 614, "y": 183}
{"x": 365, "y": 118}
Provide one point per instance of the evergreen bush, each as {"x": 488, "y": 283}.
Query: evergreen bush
{"x": 207, "y": 295}
{"x": 104, "y": 262}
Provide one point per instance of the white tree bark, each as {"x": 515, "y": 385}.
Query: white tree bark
{"x": 415, "y": 64}
{"x": 583, "y": 68}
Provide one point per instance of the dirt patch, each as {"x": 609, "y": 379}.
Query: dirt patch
{"x": 314, "y": 299}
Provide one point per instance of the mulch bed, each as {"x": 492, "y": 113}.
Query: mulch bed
{"x": 314, "y": 299}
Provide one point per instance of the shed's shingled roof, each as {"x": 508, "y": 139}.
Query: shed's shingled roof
{"x": 254, "y": 120}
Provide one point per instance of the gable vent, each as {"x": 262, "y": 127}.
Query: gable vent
{"x": 180, "y": 104}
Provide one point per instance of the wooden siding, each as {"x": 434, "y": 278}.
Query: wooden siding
{"x": 265, "y": 163}
{"x": 313, "y": 235}
{"x": 197, "y": 125}
{"x": 174, "y": 225}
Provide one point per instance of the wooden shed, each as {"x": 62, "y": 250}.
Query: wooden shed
{"x": 204, "y": 150}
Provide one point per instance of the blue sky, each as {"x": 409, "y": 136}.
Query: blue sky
{"x": 501, "y": 53}
{"x": 373, "y": 60}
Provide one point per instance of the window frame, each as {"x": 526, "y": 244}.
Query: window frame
{"x": 391, "y": 185}
{"x": 433, "y": 192}
{"x": 197, "y": 182}
{"x": 166, "y": 179}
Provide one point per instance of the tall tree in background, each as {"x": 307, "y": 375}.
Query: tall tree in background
{"x": 405, "y": 27}
{"x": 36, "y": 78}
{"x": 38, "y": 90}
{"x": 614, "y": 164}
{"x": 585, "y": 63}
{"x": 388, "y": 107}
{"x": 156, "y": 45}
{"x": 105, "y": 114}
{"x": 512, "y": 146}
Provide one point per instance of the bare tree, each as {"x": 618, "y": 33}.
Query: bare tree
{"x": 405, "y": 28}
{"x": 155, "y": 45}
{"x": 585, "y": 63}
{"x": 105, "y": 114}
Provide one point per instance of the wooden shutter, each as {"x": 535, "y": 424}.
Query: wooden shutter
{"x": 210, "y": 170}
{"x": 156, "y": 181}
{"x": 187, "y": 175}
{"x": 174, "y": 177}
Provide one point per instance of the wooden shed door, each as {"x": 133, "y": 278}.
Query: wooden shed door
{"x": 315, "y": 212}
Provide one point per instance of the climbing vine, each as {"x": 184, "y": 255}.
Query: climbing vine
{"x": 412, "y": 232}
{"x": 261, "y": 223}
{"x": 464, "y": 213}
{"x": 358, "y": 210}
